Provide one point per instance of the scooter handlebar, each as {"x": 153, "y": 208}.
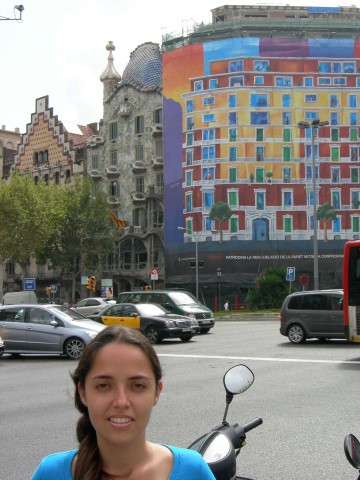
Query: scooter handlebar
{"x": 253, "y": 424}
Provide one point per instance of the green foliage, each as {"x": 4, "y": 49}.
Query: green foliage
{"x": 271, "y": 289}
{"x": 325, "y": 213}
{"x": 220, "y": 212}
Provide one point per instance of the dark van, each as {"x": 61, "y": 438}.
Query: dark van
{"x": 312, "y": 314}
{"x": 175, "y": 301}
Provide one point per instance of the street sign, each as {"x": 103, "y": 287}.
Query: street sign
{"x": 29, "y": 284}
{"x": 53, "y": 288}
{"x": 290, "y": 274}
{"x": 304, "y": 279}
{"x": 154, "y": 275}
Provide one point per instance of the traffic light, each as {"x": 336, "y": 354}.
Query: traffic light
{"x": 91, "y": 284}
{"x": 147, "y": 287}
{"x": 48, "y": 290}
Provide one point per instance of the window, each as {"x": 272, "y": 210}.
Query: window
{"x": 189, "y": 106}
{"x": 356, "y": 224}
{"x": 324, "y": 81}
{"x": 208, "y": 199}
{"x": 232, "y": 134}
{"x": 354, "y": 134}
{"x": 259, "y": 175}
{"x": 189, "y": 154}
{"x": 311, "y": 98}
{"x": 208, "y": 153}
{"x": 113, "y": 157}
{"x": 189, "y": 123}
{"x": 353, "y": 101}
{"x": 287, "y": 224}
{"x": 139, "y": 184}
{"x": 340, "y": 81}
{"x": 188, "y": 202}
{"x": 258, "y": 100}
{"x": 354, "y": 175}
{"x": 114, "y": 188}
{"x": 232, "y": 101}
{"x": 189, "y": 139}
{"x": 139, "y": 152}
{"x": 311, "y": 115}
{"x": 160, "y": 180}
{"x": 208, "y": 134}
{"x": 334, "y": 134}
{"x": 334, "y": 118}
{"x": 286, "y": 134}
{"x": 310, "y": 198}
{"x": 208, "y": 101}
{"x": 158, "y": 148}
{"x": 208, "y": 117}
{"x": 57, "y": 178}
{"x": 354, "y": 153}
{"x": 335, "y": 174}
{"x": 287, "y": 175}
{"x": 233, "y": 199}
{"x": 259, "y": 80}
{"x": 213, "y": 83}
{"x": 259, "y": 118}
{"x": 232, "y": 175}
{"x": 261, "y": 65}
{"x": 335, "y": 154}
{"x": 233, "y": 154}
{"x": 353, "y": 118}
{"x": 286, "y": 100}
{"x": 309, "y": 171}
{"x": 286, "y": 154}
{"x": 283, "y": 82}
{"x": 208, "y": 174}
{"x": 237, "y": 66}
{"x": 308, "y": 82}
{"x": 95, "y": 161}
{"x": 336, "y": 225}
{"x": 234, "y": 224}
{"x": 189, "y": 178}
{"x": 236, "y": 81}
{"x": 259, "y": 134}
{"x": 355, "y": 198}
{"x": 260, "y": 200}
{"x": 233, "y": 118}
{"x": 198, "y": 85}
{"x": 113, "y": 130}
{"x": 335, "y": 199}
{"x": 287, "y": 199}
{"x": 139, "y": 124}
{"x": 157, "y": 115}
{"x": 334, "y": 101}
{"x": 259, "y": 154}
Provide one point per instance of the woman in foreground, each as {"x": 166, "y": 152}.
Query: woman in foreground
{"x": 117, "y": 384}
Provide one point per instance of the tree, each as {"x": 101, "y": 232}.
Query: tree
{"x": 220, "y": 212}
{"x": 25, "y": 223}
{"x": 325, "y": 213}
{"x": 270, "y": 289}
{"x": 84, "y": 232}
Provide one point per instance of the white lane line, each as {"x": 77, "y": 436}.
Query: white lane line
{"x": 262, "y": 359}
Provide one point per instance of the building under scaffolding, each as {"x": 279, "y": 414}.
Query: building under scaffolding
{"x": 270, "y": 21}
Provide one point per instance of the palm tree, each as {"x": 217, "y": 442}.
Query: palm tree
{"x": 325, "y": 213}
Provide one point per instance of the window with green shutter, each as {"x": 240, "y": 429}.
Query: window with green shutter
{"x": 232, "y": 175}
{"x": 286, "y": 135}
{"x": 287, "y": 225}
{"x": 354, "y": 134}
{"x": 356, "y": 225}
{"x": 354, "y": 175}
{"x": 234, "y": 224}
{"x": 334, "y": 134}
{"x": 286, "y": 154}
{"x": 259, "y": 134}
{"x": 233, "y": 199}
{"x": 259, "y": 175}
{"x": 335, "y": 154}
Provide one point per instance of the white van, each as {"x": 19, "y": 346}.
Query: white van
{"x": 14, "y": 298}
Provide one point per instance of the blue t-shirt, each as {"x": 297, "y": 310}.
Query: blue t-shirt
{"x": 188, "y": 465}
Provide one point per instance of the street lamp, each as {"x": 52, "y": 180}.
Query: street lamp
{"x": 20, "y": 9}
{"x": 218, "y": 273}
{"x": 196, "y": 237}
{"x": 314, "y": 125}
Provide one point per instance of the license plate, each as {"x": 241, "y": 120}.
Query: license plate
{"x": 186, "y": 330}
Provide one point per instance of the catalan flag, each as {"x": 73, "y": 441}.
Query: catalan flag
{"x": 118, "y": 222}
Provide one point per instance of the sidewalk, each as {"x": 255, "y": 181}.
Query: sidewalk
{"x": 248, "y": 317}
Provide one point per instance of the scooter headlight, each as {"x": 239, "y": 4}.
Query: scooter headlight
{"x": 219, "y": 448}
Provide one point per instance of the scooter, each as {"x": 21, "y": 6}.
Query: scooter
{"x": 221, "y": 446}
{"x": 352, "y": 451}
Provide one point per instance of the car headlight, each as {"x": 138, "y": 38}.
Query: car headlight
{"x": 191, "y": 315}
{"x": 169, "y": 324}
{"x": 194, "y": 322}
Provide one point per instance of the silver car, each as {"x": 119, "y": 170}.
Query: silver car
{"x": 50, "y": 329}
{"x": 92, "y": 305}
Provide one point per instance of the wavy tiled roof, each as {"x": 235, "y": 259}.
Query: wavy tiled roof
{"x": 144, "y": 70}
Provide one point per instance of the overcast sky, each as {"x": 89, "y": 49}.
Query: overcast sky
{"x": 59, "y": 48}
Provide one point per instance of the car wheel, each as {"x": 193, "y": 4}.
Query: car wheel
{"x": 296, "y": 333}
{"x": 73, "y": 348}
{"x": 186, "y": 338}
{"x": 205, "y": 330}
{"x": 153, "y": 334}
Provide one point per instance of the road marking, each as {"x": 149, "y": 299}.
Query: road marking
{"x": 262, "y": 359}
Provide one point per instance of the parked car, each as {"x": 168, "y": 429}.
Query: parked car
{"x": 175, "y": 301}
{"x": 92, "y": 305}
{"x": 50, "y": 329}
{"x": 13, "y": 298}
{"x": 312, "y": 314}
{"x": 1, "y": 347}
{"x": 152, "y": 320}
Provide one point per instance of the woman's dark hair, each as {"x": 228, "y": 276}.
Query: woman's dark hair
{"x": 88, "y": 463}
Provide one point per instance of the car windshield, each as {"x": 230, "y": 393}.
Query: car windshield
{"x": 65, "y": 313}
{"x": 182, "y": 298}
{"x": 150, "y": 309}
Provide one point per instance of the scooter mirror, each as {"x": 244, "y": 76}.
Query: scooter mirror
{"x": 238, "y": 379}
{"x": 352, "y": 450}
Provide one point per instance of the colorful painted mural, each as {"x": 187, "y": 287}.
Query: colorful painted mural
{"x": 231, "y": 114}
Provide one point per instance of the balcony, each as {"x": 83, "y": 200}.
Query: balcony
{"x": 157, "y": 162}
{"x": 112, "y": 200}
{"x": 95, "y": 140}
{"x": 138, "y": 197}
{"x": 95, "y": 174}
{"x": 138, "y": 166}
{"x": 156, "y": 129}
{"x": 112, "y": 171}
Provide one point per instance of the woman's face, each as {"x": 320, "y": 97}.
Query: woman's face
{"x": 120, "y": 393}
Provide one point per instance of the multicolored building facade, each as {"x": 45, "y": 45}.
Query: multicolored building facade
{"x": 231, "y": 112}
